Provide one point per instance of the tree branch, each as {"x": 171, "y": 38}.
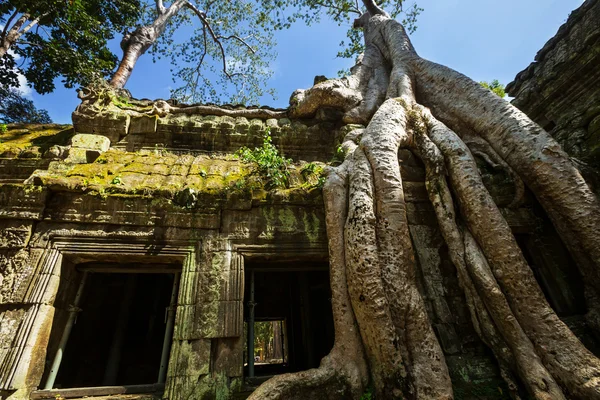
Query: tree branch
{"x": 239, "y": 39}
{"x": 29, "y": 43}
{"x": 160, "y": 8}
{"x": 12, "y": 34}
{"x": 339, "y": 9}
{"x": 33, "y": 23}
{"x": 8, "y": 21}
{"x": 217, "y": 38}
{"x": 197, "y": 71}
{"x": 373, "y": 8}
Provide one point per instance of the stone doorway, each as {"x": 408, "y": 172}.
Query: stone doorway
{"x": 295, "y": 299}
{"x": 122, "y": 326}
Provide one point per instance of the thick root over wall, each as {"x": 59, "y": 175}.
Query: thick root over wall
{"x": 383, "y": 334}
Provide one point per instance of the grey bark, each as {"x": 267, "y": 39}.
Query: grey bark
{"x": 136, "y": 43}
{"x": 13, "y": 33}
{"x": 508, "y": 309}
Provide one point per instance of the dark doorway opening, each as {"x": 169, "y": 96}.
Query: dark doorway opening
{"x": 121, "y": 330}
{"x": 296, "y": 299}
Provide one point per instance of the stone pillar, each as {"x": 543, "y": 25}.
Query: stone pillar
{"x": 27, "y": 288}
{"x": 207, "y": 342}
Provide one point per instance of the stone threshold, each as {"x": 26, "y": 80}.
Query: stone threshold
{"x": 107, "y": 392}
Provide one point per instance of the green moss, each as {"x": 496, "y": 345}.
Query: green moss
{"x": 215, "y": 386}
{"x": 124, "y": 102}
{"x": 189, "y": 182}
{"x": 287, "y": 220}
{"x": 402, "y": 102}
{"x": 368, "y": 394}
{"x": 35, "y": 139}
{"x": 311, "y": 226}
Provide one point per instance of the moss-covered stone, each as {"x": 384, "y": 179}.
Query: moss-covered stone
{"x": 190, "y": 181}
{"x": 31, "y": 140}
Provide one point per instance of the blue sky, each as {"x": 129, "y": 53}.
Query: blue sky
{"x": 483, "y": 39}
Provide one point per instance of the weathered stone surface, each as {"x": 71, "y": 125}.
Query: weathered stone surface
{"x": 90, "y": 142}
{"x": 81, "y": 156}
{"x": 476, "y": 378}
{"x": 228, "y": 357}
{"x": 14, "y": 233}
{"x": 143, "y": 124}
{"x": 22, "y": 364}
{"x": 113, "y": 125}
{"x": 15, "y": 269}
{"x": 158, "y": 186}
{"x": 190, "y": 358}
{"x": 22, "y": 201}
{"x": 31, "y": 141}
{"x": 17, "y": 170}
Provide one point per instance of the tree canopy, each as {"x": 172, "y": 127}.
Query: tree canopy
{"x": 229, "y": 46}
{"x": 44, "y": 40}
{"x": 15, "y": 108}
{"x": 226, "y": 55}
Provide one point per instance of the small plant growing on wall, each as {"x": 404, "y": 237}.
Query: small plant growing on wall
{"x": 271, "y": 165}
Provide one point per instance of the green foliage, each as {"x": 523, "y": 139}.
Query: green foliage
{"x": 14, "y": 108}
{"x": 271, "y": 165}
{"x": 263, "y": 334}
{"x": 117, "y": 181}
{"x": 338, "y": 156}
{"x": 69, "y": 40}
{"x": 281, "y": 14}
{"x": 242, "y": 75}
{"x": 3, "y": 128}
{"x": 198, "y": 63}
{"x": 495, "y": 86}
{"x": 313, "y": 174}
{"x": 368, "y": 394}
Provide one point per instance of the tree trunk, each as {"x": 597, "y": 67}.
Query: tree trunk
{"x": 12, "y": 34}
{"x": 372, "y": 258}
{"x": 135, "y": 44}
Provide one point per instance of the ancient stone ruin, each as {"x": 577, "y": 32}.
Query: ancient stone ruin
{"x": 138, "y": 253}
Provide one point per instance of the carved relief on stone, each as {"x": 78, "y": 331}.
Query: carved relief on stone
{"x": 13, "y": 270}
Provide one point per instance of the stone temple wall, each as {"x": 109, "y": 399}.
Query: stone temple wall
{"x": 560, "y": 90}
{"x": 131, "y": 181}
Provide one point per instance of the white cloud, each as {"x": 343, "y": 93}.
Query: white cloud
{"x": 23, "y": 88}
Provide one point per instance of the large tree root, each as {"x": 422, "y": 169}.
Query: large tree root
{"x": 365, "y": 284}
{"x": 379, "y": 315}
{"x": 441, "y": 199}
{"x": 562, "y": 353}
{"x": 385, "y": 134}
{"x": 530, "y": 151}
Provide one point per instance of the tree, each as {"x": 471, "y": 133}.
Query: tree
{"x": 408, "y": 102}
{"x": 231, "y": 43}
{"x": 60, "y": 38}
{"x": 227, "y": 55}
{"x": 14, "y": 108}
